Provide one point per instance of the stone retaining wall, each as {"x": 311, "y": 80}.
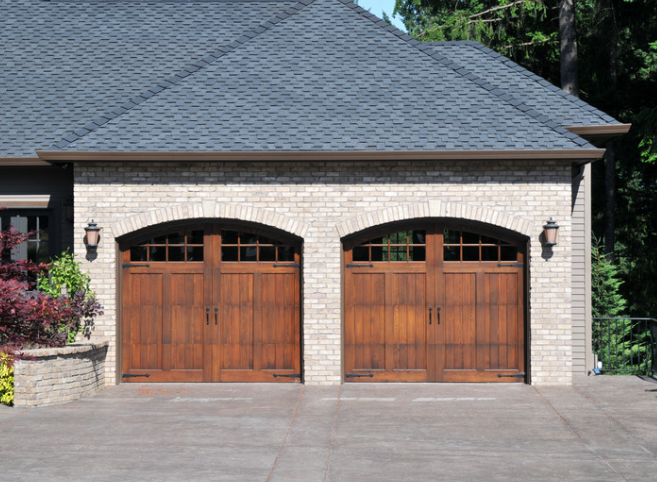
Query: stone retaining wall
{"x": 61, "y": 374}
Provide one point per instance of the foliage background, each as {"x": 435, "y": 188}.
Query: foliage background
{"x": 617, "y": 63}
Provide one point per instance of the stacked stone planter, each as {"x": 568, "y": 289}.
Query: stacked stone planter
{"x": 57, "y": 375}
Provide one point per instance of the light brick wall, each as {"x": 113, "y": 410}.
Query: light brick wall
{"x": 321, "y": 202}
{"x": 57, "y": 375}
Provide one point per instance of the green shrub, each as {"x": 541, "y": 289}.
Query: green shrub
{"x": 6, "y": 379}
{"x": 65, "y": 277}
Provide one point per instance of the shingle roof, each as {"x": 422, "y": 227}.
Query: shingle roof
{"x": 63, "y": 63}
{"x": 520, "y": 82}
{"x": 242, "y": 75}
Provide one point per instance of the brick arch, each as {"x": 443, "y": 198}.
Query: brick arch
{"x": 436, "y": 209}
{"x": 209, "y": 210}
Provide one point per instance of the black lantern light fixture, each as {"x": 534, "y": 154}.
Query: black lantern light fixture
{"x": 550, "y": 232}
{"x": 92, "y": 234}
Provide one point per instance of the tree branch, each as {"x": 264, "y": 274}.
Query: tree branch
{"x": 494, "y": 9}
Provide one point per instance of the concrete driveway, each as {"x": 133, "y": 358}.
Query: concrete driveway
{"x": 601, "y": 429}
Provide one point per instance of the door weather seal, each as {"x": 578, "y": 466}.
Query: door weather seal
{"x": 517, "y": 375}
{"x": 128, "y": 375}
{"x": 358, "y": 375}
{"x": 291, "y": 375}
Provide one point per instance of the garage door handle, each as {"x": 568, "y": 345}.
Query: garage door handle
{"x": 430, "y": 310}
{"x": 216, "y": 310}
{"x": 438, "y": 313}
{"x": 207, "y": 316}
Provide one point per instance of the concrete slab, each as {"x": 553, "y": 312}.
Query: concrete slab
{"x": 601, "y": 429}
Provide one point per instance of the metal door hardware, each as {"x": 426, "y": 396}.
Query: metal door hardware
{"x": 128, "y": 265}
{"x": 358, "y": 375}
{"x": 291, "y": 375}
{"x": 129, "y": 375}
{"x": 351, "y": 265}
{"x": 518, "y": 375}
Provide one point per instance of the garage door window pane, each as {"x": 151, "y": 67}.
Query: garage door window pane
{"x": 285, "y": 253}
{"x": 139, "y": 253}
{"x": 509, "y": 253}
{"x": 267, "y": 253}
{"x": 489, "y": 253}
{"x": 194, "y": 253}
{"x": 176, "y": 254}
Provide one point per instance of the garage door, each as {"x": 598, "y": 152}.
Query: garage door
{"x": 209, "y": 304}
{"x": 435, "y": 303}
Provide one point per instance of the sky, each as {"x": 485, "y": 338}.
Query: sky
{"x": 377, "y": 6}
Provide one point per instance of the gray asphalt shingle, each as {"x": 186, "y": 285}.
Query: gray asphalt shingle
{"x": 244, "y": 75}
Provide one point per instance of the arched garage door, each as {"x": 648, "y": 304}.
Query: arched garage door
{"x": 435, "y": 303}
{"x": 211, "y": 303}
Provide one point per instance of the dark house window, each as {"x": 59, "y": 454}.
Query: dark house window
{"x": 40, "y": 246}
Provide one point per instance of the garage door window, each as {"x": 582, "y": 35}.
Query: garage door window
{"x": 238, "y": 246}
{"x": 180, "y": 247}
{"x": 466, "y": 246}
{"x": 403, "y": 246}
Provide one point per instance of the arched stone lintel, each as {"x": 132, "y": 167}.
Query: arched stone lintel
{"x": 436, "y": 209}
{"x": 209, "y": 210}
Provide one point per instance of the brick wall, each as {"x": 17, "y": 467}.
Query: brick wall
{"x": 59, "y": 374}
{"x": 322, "y": 202}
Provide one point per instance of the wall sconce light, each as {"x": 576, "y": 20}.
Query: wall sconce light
{"x": 550, "y": 232}
{"x": 93, "y": 235}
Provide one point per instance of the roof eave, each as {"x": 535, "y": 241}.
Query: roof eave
{"x": 574, "y": 155}
{"x": 22, "y": 162}
{"x": 600, "y": 135}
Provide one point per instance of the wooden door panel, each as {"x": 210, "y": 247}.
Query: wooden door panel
{"x": 236, "y": 307}
{"x": 279, "y": 333}
{"x": 143, "y": 322}
{"x": 502, "y": 346}
{"x": 365, "y": 329}
{"x": 409, "y": 308}
{"x": 385, "y": 326}
{"x": 459, "y": 321}
{"x": 187, "y": 317}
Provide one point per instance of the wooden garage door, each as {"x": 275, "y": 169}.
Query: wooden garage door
{"x": 436, "y": 303}
{"x": 211, "y": 303}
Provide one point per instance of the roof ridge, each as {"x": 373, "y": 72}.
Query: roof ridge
{"x": 579, "y": 103}
{"x": 465, "y": 73}
{"x": 177, "y": 77}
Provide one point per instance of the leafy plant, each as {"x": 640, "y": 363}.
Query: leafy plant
{"x": 6, "y": 379}
{"x": 31, "y": 318}
{"x": 65, "y": 277}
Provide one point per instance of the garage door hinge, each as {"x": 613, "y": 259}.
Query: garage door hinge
{"x": 510, "y": 265}
{"x": 291, "y": 375}
{"x": 129, "y": 375}
{"x": 286, "y": 266}
{"x": 351, "y": 265}
{"x": 517, "y": 375}
{"x": 136, "y": 265}
{"x": 358, "y": 375}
